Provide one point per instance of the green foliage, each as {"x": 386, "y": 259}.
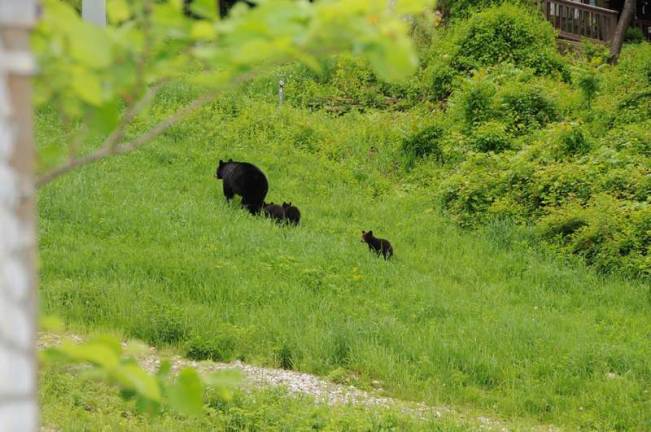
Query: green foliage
{"x": 589, "y": 85}
{"x": 477, "y": 101}
{"x": 424, "y": 143}
{"x": 157, "y": 252}
{"x": 608, "y": 233}
{"x": 73, "y": 401}
{"x": 230, "y": 276}
{"x": 491, "y": 137}
{"x": 526, "y": 108}
{"x": 507, "y": 34}
{"x": 151, "y": 393}
{"x": 633, "y": 34}
{"x": 441, "y": 78}
{"x": 88, "y": 73}
{"x": 462, "y": 9}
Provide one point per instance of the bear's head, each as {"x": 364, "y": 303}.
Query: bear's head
{"x": 286, "y": 205}
{"x": 367, "y": 236}
{"x": 220, "y": 168}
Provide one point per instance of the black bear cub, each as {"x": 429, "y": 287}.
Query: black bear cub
{"x": 274, "y": 211}
{"x": 292, "y": 214}
{"x": 246, "y": 180}
{"x": 378, "y": 245}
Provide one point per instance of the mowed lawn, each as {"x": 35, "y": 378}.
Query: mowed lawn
{"x": 146, "y": 245}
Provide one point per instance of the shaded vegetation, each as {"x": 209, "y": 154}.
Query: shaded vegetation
{"x": 491, "y": 318}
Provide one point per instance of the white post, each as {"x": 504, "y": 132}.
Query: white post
{"x": 94, "y": 11}
{"x": 18, "y": 367}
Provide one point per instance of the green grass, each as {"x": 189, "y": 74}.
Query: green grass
{"x": 146, "y": 245}
{"x": 79, "y": 403}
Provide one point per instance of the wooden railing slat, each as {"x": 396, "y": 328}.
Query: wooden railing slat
{"x": 575, "y": 20}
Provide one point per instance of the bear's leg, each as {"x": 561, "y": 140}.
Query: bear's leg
{"x": 228, "y": 192}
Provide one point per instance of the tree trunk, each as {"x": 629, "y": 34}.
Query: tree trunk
{"x": 624, "y": 21}
{"x": 18, "y": 379}
{"x": 94, "y": 11}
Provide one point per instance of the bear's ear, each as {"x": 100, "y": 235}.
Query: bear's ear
{"x": 221, "y": 162}
{"x": 230, "y": 160}
{"x": 363, "y": 232}
{"x": 370, "y": 232}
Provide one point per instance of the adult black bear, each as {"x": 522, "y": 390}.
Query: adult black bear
{"x": 378, "y": 245}
{"x": 292, "y": 214}
{"x": 274, "y": 211}
{"x": 246, "y": 180}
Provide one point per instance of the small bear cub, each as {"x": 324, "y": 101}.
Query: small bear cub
{"x": 377, "y": 245}
{"x": 274, "y": 211}
{"x": 292, "y": 214}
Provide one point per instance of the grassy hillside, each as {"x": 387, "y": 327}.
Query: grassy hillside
{"x": 73, "y": 403}
{"x": 146, "y": 244}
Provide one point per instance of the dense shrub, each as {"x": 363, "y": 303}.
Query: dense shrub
{"x": 511, "y": 138}
{"x": 610, "y": 234}
{"x": 526, "y": 108}
{"x": 456, "y": 9}
{"x": 476, "y": 101}
{"x": 424, "y": 143}
{"x": 439, "y": 78}
{"x": 633, "y": 35}
{"x": 508, "y": 34}
{"x": 491, "y": 137}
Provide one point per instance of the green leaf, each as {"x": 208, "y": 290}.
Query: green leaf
{"x": 224, "y": 382}
{"x": 204, "y": 8}
{"x": 87, "y": 85}
{"x": 186, "y": 394}
{"x": 89, "y": 45}
{"x": 110, "y": 342}
{"x": 203, "y": 30}
{"x": 133, "y": 377}
{"x": 412, "y": 6}
{"x": 393, "y": 60}
{"x": 118, "y": 11}
{"x": 51, "y": 323}
{"x": 106, "y": 117}
{"x": 96, "y": 353}
{"x": 164, "y": 369}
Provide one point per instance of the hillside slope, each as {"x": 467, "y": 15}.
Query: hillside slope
{"x": 146, "y": 245}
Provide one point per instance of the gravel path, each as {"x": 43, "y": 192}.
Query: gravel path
{"x": 298, "y": 383}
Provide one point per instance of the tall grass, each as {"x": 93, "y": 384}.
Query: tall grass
{"x": 146, "y": 244}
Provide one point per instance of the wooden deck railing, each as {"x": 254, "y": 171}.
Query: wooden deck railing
{"x": 576, "y": 20}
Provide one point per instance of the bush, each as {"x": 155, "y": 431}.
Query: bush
{"x": 633, "y": 35}
{"x": 526, "y": 108}
{"x": 424, "y": 143}
{"x": 441, "y": 78}
{"x": 456, "y": 9}
{"x": 476, "y": 101}
{"x": 220, "y": 346}
{"x": 609, "y": 234}
{"x": 508, "y": 34}
{"x": 491, "y": 137}
{"x": 589, "y": 85}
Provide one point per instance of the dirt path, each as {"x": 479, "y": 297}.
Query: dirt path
{"x": 298, "y": 383}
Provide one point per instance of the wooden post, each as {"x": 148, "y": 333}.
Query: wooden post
{"x": 18, "y": 367}
{"x": 94, "y": 11}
